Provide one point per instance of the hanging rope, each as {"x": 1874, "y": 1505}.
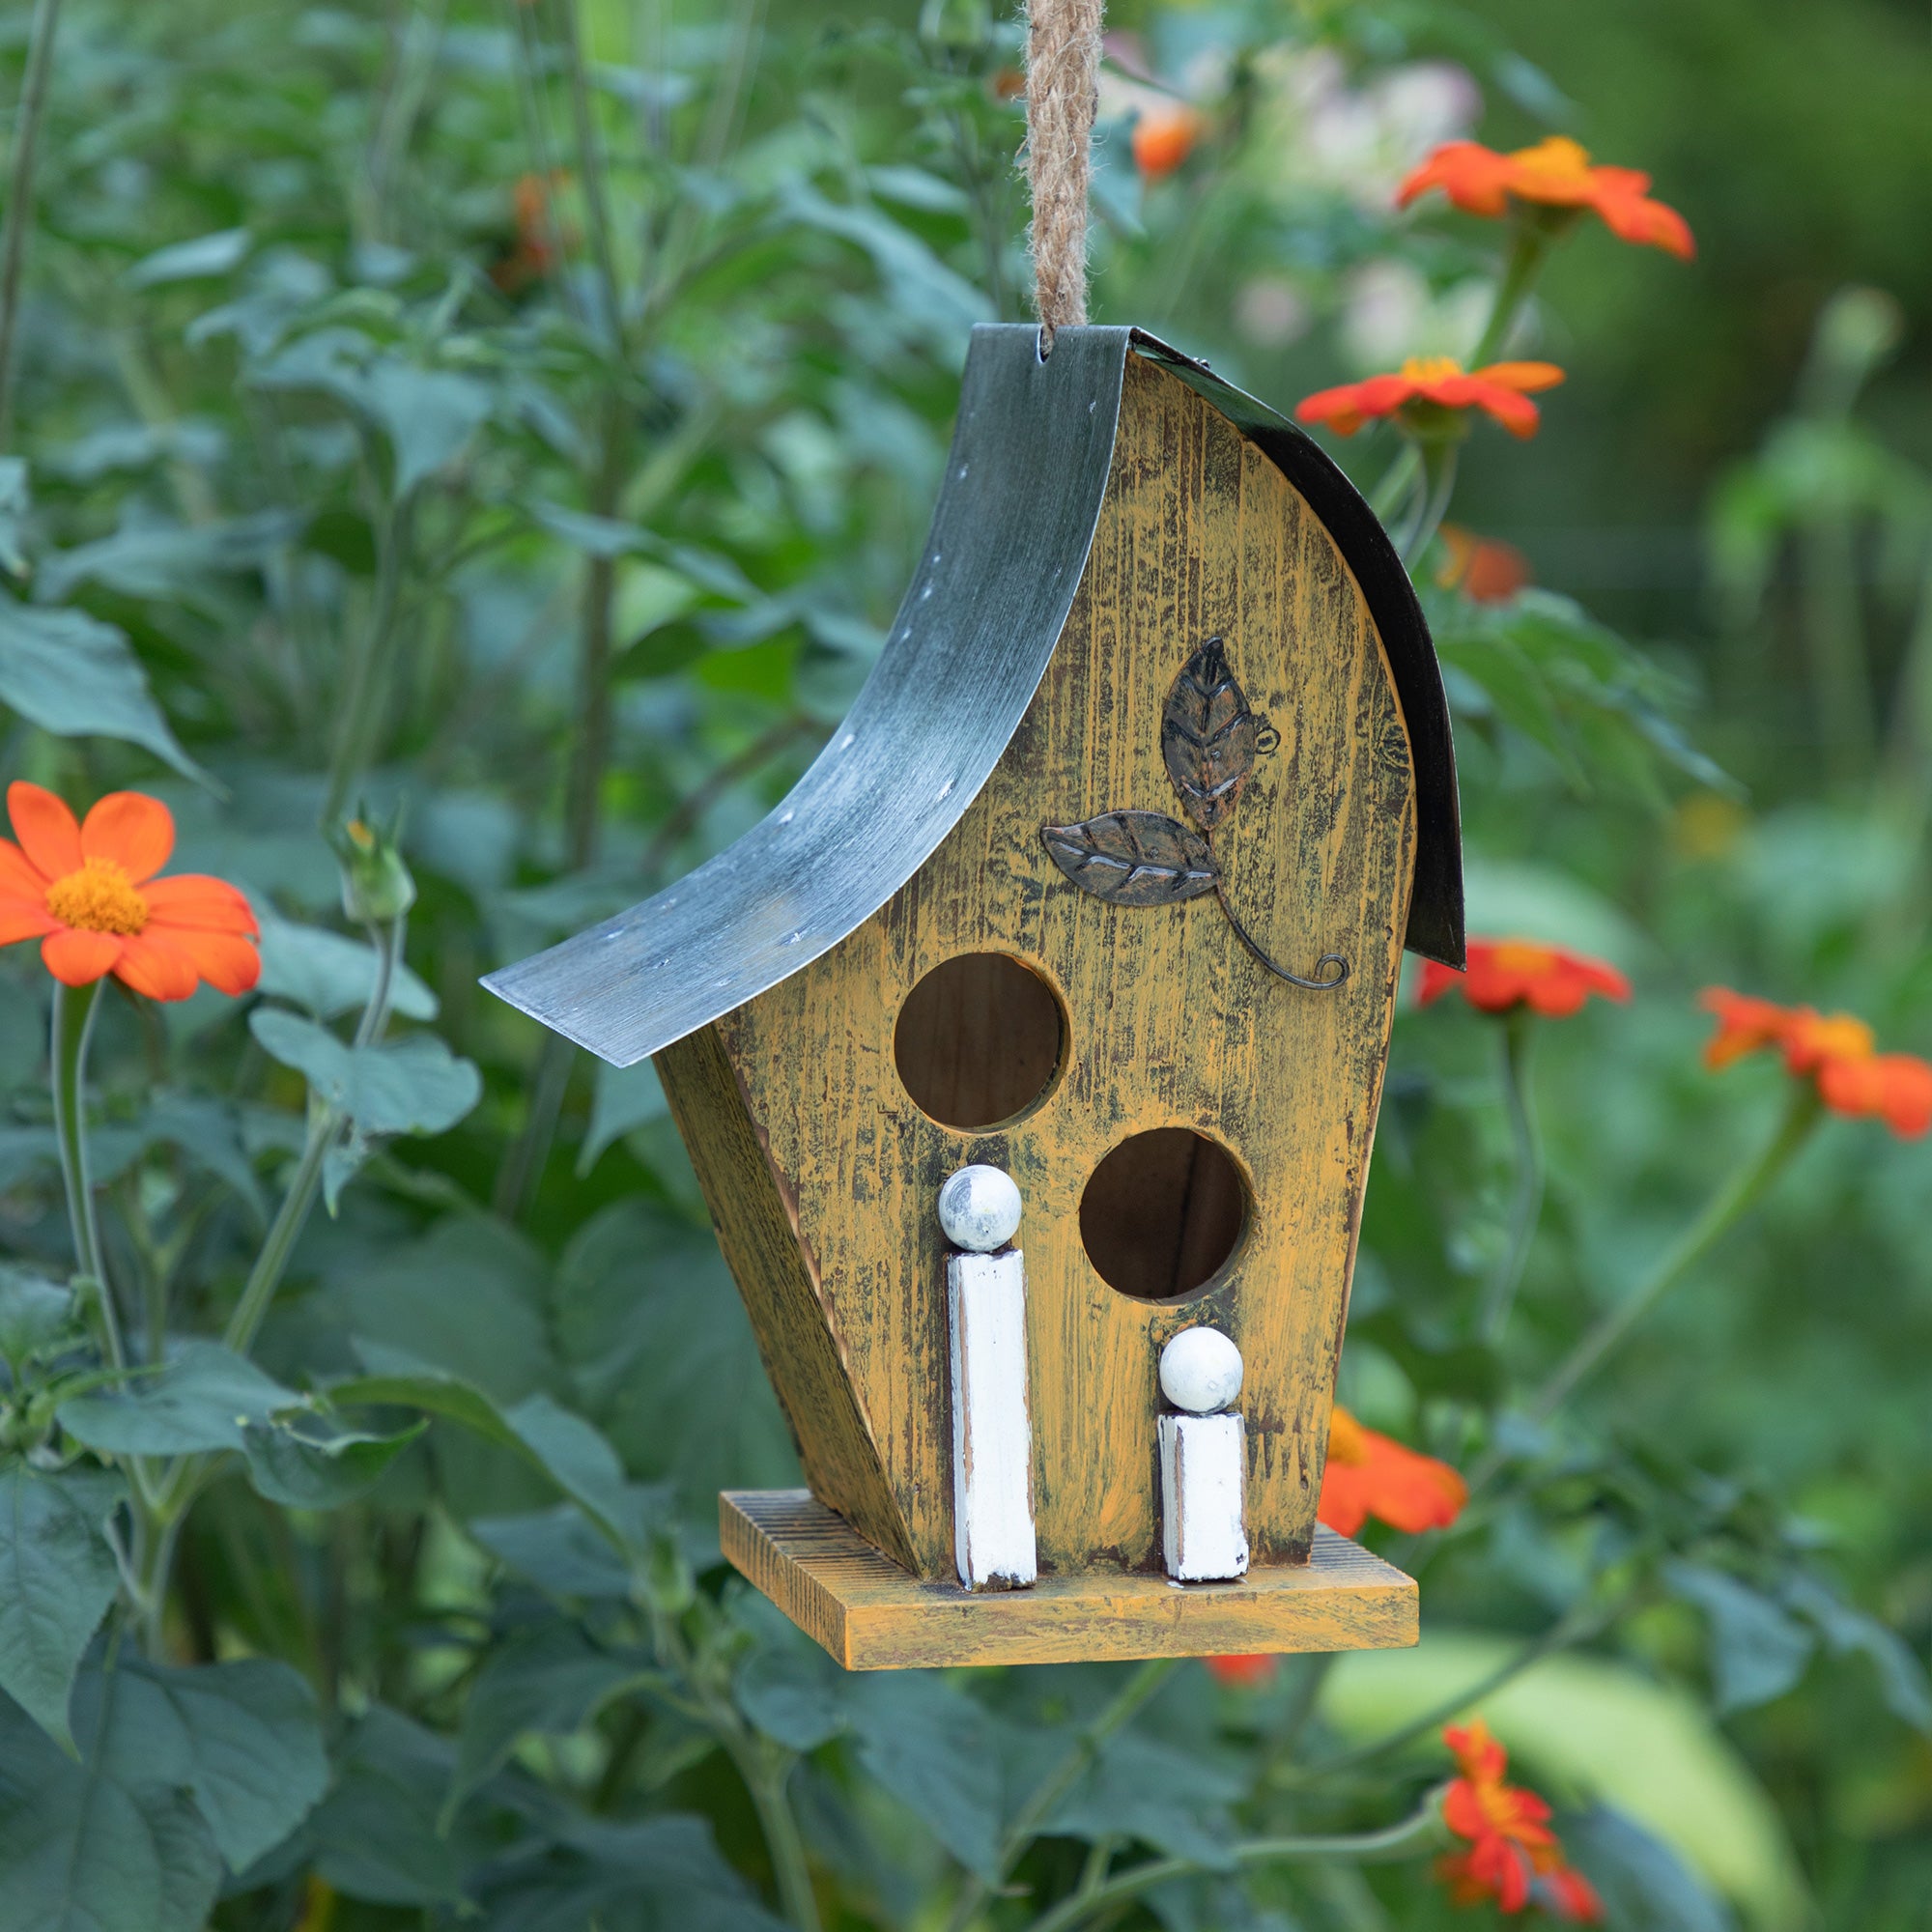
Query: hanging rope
{"x": 1063, "y": 82}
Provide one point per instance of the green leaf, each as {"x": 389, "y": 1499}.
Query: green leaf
{"x": 244, "y": 1738}
{"x": 330, "y": 973}
{"x": 625, "y": 1097}
{"x": 595, "y": 536}
{"x": 1142, "y": 1788}
{"x": 549, "y": 1680}
{"x": 204, "y": 1398}
{"x": 792, "y": 1692}
{"x": 38, "y": 1317}
{"x": 411, "y": 1086}
{"x": 563, "y": 1447}
{"x": 187, "y": 261}
{"x": 428, "y": 414}
{"x": 1757, "y": 1651}
{"x": 97, "y": 1846}
{"x": 556, "y": 1550}
{"x": 165, "y": 562}
{"x": 77, "y": 677}
{"x": 664, "y": 1359}
{"x": 57, "y": 1577}
{"x": 938, "y": 1753}
{"x": 377, "y": 1834}
{"x": 304, "y": 1470}
{"x": 1847, "y": 1630}
{"x": 1642, "y": 1881}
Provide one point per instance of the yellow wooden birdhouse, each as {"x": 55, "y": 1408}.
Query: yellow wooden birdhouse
{"x": 1029, "y": 1053}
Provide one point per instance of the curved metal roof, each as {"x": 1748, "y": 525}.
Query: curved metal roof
{"x": 1016, "y": 518}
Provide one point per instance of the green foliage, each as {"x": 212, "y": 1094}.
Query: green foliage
{"x": 510, "y": 430}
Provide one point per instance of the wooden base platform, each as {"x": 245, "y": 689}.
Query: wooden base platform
{"x": 872, "y": 1615}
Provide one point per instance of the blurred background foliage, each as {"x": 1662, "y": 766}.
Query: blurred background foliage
{"x": 523, "y": 420}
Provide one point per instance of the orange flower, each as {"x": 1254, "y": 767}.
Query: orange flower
{"x": 88, "y": 893}
{"x": 1428, "y": 394}
{"x": 1483, "y": 569}
{"x": 1506, "y": 973}
{"x": 1512, "y": 1853}
{"x": 1163, "y": 138}
{"x": 1555, "y": 174}
{"x": 1243, "y": 1673}
{"x": 1369, "y": 1474}
{"x": 1836, "y": 1051}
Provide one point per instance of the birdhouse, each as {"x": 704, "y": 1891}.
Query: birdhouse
{"x": 1029, "y": 1052}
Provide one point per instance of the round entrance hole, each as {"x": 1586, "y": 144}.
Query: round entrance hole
{"x": 1162, "y": 1213}
{"x": 979, "y": 1040}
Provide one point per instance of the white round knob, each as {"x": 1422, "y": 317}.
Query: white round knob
{"x": 979, "y": 1208}
{"x": 1201, "y": 1371}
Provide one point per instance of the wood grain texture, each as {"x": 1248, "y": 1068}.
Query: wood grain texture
{"x": 770, "y": 1255}
{"x": 1171, "y": 1023}
{"x": 870, "y": 1615}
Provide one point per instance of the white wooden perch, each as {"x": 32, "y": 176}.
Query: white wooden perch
{"x": 1203, "y": 1461}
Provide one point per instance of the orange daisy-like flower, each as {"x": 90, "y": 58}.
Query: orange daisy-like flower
{"x": 1430, "y": 393}
{"x": 1514, "y": 1856}
{"x": 1836, "y": 1051}
{"x": 1163, "y": 138}
{"x": 1243, "y": 1673}
{"x": 1369, "y": 1474}
{"x": 1485, "y": 570}
{"x": 88, "y": 893}
{"x": 1555, "y": 174}
{"x": 1507, "y": 973}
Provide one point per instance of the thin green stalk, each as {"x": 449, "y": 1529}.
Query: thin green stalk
{"x": 766, "y": 1772}
{"x": 1576, "y": 1626}
{"x": 590, "y": 163}
{"x": 325, "y": 1124}
{"x": 1398, "y": 484}
{"x": 369, "y": 669}
{"x": 1438, "y": 486}
{"x": 1529, "y": 248}
{"x": 1520, "y": 1036}
{"x": 1421, "y": 1832}
{"x": 73, "y": 1013}
{"x": 1133, "y": 1696}
{"x": 34, "y": 88}
{"x": 1739, "y": 1193}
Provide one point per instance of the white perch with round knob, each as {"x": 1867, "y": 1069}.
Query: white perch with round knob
{"x": 1202, "y": 1460}
{"x": 993, "y": 1539}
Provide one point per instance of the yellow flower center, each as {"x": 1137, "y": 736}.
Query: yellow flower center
{"x": 1520, "y": 955}
{"x": 1430, "y": 368}
{"x": 1836, "y": 1036}
{"x": 1346, "y": 1443}
{"x": 1557, "y": 159}
{"x": 99, "y": 897}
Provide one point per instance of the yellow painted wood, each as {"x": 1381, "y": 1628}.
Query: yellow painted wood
{"x": 870, "y": 1615}
{"x": 1169, "y": 1022}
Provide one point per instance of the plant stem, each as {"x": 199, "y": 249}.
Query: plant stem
{"x": 34, "y": 87}
{"x": 1576, "y": 1625}
{"x": 1724, "y": 1209}
{"x": 368, "y": 667}
{"x": 1733, "y": 1200}
{"x": 1422, "y": 1831}
{"x": 1520, "y": 1036}
{"x": 765, "y": 1772}
{"x": 73, "y": 1013}
{"x": 1529, "y": 249}
{"x": 1133, "y": 1696}
{"x": 590, "y": 163}
{"x": 324, "y": 1125}
{"x": 1438, "y": 486}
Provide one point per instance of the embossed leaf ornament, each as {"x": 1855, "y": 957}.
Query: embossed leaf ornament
{"x": 1210, "y": 738}
{"x": 1133, "y": 858}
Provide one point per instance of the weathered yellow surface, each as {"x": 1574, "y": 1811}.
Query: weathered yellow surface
{"x": 871, "y": 1615}
{"x": 1170, "y": 1023}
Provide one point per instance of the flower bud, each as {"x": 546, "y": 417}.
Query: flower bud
{"x": 376, "y": 883}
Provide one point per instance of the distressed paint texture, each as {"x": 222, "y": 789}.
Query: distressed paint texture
{"x": 1170, "y": 1023}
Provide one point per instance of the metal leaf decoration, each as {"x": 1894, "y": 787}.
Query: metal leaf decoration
{"x": 1134, "y": 858}
{"x": 1209, "y": 736}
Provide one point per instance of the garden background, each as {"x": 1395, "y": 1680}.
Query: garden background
{"x": 515, "y": 425}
